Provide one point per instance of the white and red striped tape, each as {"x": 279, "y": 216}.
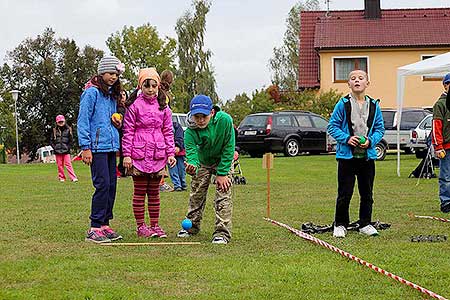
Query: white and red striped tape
{"x": 411, "y": 215}
{"x": 357, "y": 259}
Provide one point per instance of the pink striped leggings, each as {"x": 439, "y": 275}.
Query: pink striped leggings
{"x": 146, "y": 185}
{"x": 64, "y": 160}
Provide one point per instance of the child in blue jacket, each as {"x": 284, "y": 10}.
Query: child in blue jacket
{"x": 98, "y": 138}
{"x": 357, "y": 126}
{"x": 178, "y": 172}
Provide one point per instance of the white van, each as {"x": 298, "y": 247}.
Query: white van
{"x": 46, "y": 154}
{"x": 181, "y": 119}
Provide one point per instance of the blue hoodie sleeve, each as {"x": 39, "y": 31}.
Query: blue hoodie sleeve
{"x": 338, "y": 123}
{"x": 87, "y": 104}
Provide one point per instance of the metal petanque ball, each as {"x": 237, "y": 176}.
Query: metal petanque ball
{"x": 186, "y": 224}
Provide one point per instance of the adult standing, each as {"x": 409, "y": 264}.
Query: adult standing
{"x": 441, "y": 142}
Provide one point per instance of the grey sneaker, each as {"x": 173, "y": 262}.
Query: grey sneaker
{"x": 219, "y": 240}
{"x": 368, "y": 230}
{"x": 96, "y": 236}
{"x": 111, "y": 234}
{"x": 165, "y": 188}
{"x": 339, "y": 231}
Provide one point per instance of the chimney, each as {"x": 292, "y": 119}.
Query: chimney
{"x": 372, "y": 9}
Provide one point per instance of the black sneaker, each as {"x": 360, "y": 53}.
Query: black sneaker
{"x": 96, "y": 236}
{"x": 445, "y": 208}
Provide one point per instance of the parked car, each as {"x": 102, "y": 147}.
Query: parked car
{"x": 288, "y": 132}
{"x": 410, "y": 119}
{"x": 419, "y": 135}
{"x": 181, "y": 119}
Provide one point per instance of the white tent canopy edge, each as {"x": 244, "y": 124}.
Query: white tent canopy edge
{"x": 437, "y": 65}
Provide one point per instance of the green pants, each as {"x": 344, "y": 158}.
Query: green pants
{"x": 223, "y": 204}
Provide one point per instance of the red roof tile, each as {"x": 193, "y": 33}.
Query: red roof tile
{"x": 349, "y": 29}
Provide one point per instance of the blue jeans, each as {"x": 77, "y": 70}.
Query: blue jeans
{"x": 178, "y": 174}
{"x": 104, "y": 179}
{"x": 444, "y": 180}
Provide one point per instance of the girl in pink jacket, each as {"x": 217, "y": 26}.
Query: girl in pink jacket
{"x": 148, "y": 145}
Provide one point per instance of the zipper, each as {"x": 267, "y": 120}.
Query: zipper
{"x": 97, "y": 137}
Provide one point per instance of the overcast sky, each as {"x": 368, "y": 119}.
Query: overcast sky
{"x": 240, "y": 33}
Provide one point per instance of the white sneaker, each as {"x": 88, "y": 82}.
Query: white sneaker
{"x": 61, "y": 180}
{"x": 219, "y": 240}
{"x": 75, "y": 180}
{"x": 339, "y": 231}
{"x": 368, "y": 230}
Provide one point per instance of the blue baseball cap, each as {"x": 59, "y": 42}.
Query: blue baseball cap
{"x": 446, "y": 79}
{"x": 200, "y": 104}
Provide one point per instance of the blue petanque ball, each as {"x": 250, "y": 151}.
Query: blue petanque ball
{"x": 186, "y": 224}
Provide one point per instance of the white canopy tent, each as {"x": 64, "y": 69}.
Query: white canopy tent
{"x": 437, "y": 65}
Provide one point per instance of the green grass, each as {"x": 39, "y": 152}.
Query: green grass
{"x": 43, "y": 255}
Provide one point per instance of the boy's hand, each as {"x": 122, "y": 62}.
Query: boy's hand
{"x": 190, "y": 169}
{"x": 223, "y": 183}
{"x": 365, "y": 145}
{"x": 171, "y": 161}
{"x": 86, "y": 156}
{"x": 353, "y": 141}
{"x": 177, "y": 149}
{"x": 127, "y": 163}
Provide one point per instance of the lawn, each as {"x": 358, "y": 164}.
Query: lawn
{"x": 43, "y": 254}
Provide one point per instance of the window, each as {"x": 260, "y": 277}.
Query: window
{"x": 283, "y": 121}
{"x": 255, "y": 121}
{"x": 319, "y": 122}
{"x": 343, "y": 67}
{"x": 304, "y": 121}
{"x": 430, "y": 77}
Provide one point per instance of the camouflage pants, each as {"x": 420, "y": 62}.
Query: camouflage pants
{"x": 223, "y": 203}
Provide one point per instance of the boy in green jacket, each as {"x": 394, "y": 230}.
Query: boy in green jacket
{"x": 209, "y": 143}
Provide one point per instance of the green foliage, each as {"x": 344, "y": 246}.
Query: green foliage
{"x": 320, "y": 103}
{"x": 43, "y": 255}
{"x": 284, "y": 63}
{"x": 50, "y": 74}
{"x": 195, "y": 74}
{"x": 141, "y": 47}
{"x": 7, "y": 121}
{"x": 262, "y": 101}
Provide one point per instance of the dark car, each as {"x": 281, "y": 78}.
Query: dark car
{"x": 288, "y": 132}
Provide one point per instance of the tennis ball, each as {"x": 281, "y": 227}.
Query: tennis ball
{"x": 186, "y": 224}
{"x": 117, "y": 116}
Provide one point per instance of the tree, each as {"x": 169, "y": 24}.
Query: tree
{"x": 284, "y": 63}
{"x": 50, "y": 74}
{"x": 195, "y": 73}
{"x": 141, "y": 47}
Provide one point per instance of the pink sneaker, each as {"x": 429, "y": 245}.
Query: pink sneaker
{"x": 159, "y": 231}
{"x": 144, "y": 231}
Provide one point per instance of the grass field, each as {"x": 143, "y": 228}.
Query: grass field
{"x": 43, "y": 254}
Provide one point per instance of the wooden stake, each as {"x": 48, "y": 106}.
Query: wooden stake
{"x": 267, "y": 164}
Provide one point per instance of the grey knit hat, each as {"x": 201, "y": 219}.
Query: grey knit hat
{"x": 110, "y": 64}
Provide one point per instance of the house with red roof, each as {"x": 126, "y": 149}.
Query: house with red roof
{"x": 378, "y": 41}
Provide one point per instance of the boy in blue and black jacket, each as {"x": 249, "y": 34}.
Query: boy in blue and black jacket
{"x": 357, "y": 126}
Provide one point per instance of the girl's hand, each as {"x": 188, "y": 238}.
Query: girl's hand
{"x": 127, "y": 163}
{"x": 86, "y": 156}
{"x": 177, "y": 149}
{"x": 223, "y": 183}
{"x": 190, "y": 169}
{"x": 365, "y": 145}
{"x": 171, "y": 161}
{"x": 116, "y": 122}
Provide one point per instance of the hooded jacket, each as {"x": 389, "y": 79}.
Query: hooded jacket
{"x": 213, "y": 145}
{"x": 340, "y": 127}
{"x": 94, "y": 127}
{"x": 148, "y": 134}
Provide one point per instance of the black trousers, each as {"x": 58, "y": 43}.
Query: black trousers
{"x": 104, "y": 179}
{"x": 348, "y": 171}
